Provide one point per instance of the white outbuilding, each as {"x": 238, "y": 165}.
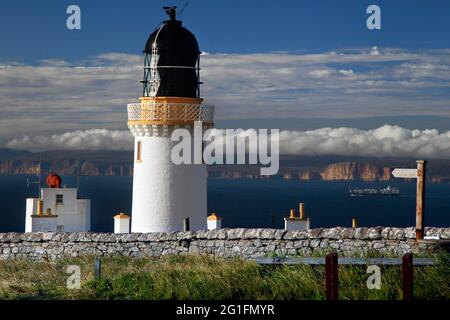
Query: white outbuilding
{"x": 57, "y": 209}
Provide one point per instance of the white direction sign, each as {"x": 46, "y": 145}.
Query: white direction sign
{"x": 405, "y": 173}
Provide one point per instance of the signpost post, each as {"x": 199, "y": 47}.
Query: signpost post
{"x": 420, "y": 200}
{"x": 420, "y": 175}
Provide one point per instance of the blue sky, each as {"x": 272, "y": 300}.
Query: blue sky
{"x": 297, "y": 65}
{"x": 35, "y": 30}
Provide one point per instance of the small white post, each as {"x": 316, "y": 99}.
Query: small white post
{"x": 214, "y": 222}
{"x": 122, "y": 223}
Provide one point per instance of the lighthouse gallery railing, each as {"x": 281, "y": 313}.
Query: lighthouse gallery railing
{"x": 170, "y": 112}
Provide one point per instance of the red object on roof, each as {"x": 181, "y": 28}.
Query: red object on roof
{"x": 53, "y": 181}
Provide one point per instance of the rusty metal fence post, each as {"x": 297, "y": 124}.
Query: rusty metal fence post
{"x": 331, "y": 276}
{"x": 407, "y": 270}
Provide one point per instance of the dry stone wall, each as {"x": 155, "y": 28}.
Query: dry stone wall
{"x": 227, "y": 243}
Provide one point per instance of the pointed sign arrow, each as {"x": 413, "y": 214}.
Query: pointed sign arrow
{"x": 405, "y": 173}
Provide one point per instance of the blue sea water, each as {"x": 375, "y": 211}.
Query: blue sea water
{"x": 249, "y": 203}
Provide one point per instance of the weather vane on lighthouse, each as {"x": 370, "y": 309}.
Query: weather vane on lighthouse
{"x": 171, "y": 11}
{"x": 168, "y": 196}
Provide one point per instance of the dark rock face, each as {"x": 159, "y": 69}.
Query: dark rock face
{"x": 355, "y": 171}
{"x": 67, "y": 167}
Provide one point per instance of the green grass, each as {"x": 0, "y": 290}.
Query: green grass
{"x": 199, "y": 277}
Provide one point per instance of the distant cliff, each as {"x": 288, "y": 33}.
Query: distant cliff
{"x": 349, "y": 170}
{"x": 362, "y": 170}
{"x": 356, "y": 171}
{"x": 91, "y": 163}
{"x": 66, "y": 167}
{"x": 120, "y": 163}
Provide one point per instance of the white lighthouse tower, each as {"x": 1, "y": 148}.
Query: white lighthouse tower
{"x": 168, "y": 197}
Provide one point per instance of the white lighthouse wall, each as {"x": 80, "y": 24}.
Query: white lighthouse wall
{"x": 164, "y": 194}
{"x": 31, "y": 209}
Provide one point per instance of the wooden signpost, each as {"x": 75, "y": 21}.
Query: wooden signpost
{"x": 418, "y": 174}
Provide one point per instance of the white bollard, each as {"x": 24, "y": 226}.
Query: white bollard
{"x": 214, "y": 222}
{"x": 122, "y": 223}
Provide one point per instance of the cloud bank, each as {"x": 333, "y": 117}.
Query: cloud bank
{"x": 93, "y": 139}
{"x": 56, "y": 96}
{"x": 385, "y": 141}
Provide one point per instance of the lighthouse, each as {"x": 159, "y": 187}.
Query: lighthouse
{"x": 166, "y": 196}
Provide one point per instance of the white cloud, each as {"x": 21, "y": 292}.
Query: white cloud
{"x": 319, "y": 74}
{"x": 93, "y": 139}
{"x": 57, "y": 96}
{"x": 385, "y": 141}
{"x": 347, "y": 73}
{"x": 375, "y": 51}
{"x": 54, "y": 63}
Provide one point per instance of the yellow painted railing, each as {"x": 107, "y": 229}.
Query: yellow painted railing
{"x": 163, "y": 112}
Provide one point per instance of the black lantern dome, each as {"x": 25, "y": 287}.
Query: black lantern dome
{"x": 172, "y": 59}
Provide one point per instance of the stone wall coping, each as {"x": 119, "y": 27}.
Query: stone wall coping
{"x": 364, "y": 233}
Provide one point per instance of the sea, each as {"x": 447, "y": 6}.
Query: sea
{"x": 252, "y": 203}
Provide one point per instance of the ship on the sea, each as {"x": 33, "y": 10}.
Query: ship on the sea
{"x": 374, "y": 191}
